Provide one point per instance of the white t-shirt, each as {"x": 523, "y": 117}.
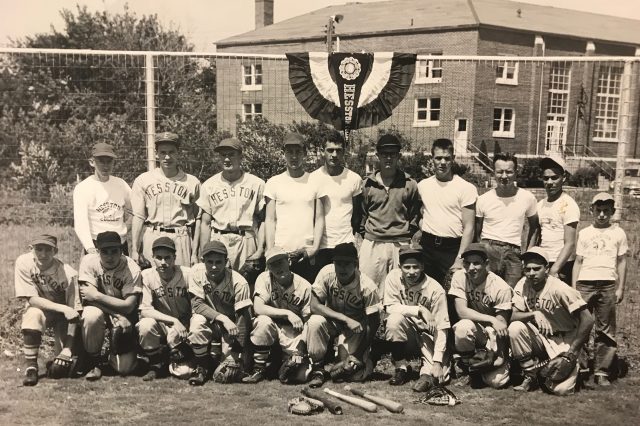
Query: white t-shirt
{"x": 99, "y": 207}
{"x": 295, "y": 209}
{"x": 442, "y": 204}
{"x": 338, "y": 204}
{"x": 600, "y": 248}
{"x": 504, "y": 216}
{"x": 553, "y": 217}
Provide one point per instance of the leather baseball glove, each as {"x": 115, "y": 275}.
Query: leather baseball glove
{"x": 557, "y": 370}
{"x": 482, "y": 360}
{"x": 303, "y": 406}
{"x": 439, "y": 395}
{"x": 291, "y": 368}
{"x": 122, "y": 341}
{"x": 345, "y": 369}
{"x": 62, "y": 366}
{"x": 229, "y": 371}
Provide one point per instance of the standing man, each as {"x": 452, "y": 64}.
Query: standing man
{"x": 100, "y": 201}
{"x": 483, "y": 304}
{"x": 110, "y": 287}
{"x": 345, "y": 304}
{"x": 448, "y": 215}
{"x": 165, "y": 310}
{"x": 164, "y": 204}
{"x": 390, "y": 210}
{"x": 549, "y": 320}
{"x": 295, "y": 213}
{"x": 232, "y": 204}
{"x": 343, "y": 189}
{"x": 559, "y": 216}
{"x": 500, "y": 216}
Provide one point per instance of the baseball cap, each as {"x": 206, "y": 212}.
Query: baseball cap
{"x": 345, "y": 251}
{"x": 103, "y": 149}
{"x": 274, "y": 254}
{"x": 108, "y": 239}
{"x": 164, "y": 242}
{"x": 231, "y": 143}
{"x": 292, "y": 138}
{"x": 408, "y": 252}
{"x": 476, "y": 248}
{"x": 167, "y": 137}
{"x": 602, "y": 197}
{"x": 553, "y": 162}
{"x": 536, "y": 251}
{"x": 214, "y": 247}
{"x": 45, "y": 239}
{"x": 388, "y": 141}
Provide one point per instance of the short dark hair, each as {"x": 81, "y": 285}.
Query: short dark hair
{"x": 505, "y": 156}
{"x": 334, "y": 136}
{"x": 442, "y": 143}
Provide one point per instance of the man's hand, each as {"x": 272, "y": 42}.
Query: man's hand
{"x": 140, "y": 260}
{"x": 544, "y": 326}
{"x": 230, "y": 326}
{"x": 354, "y": 326}
{"x": 70, "y": 314}
{"x": 122, "y": 322}
{"x": 427, "y": 317}
{"x": 180, "y": 329}
{"x": 554, "y": 272}
{"x": 298, "y": 255}
{"x": 194, "y": 259}
{"x": 619, "y": 295}
{"x": 89, "y": 293}
{"x": 92, "y": 250}
{"x": 295, "y": 321}
{"x": 500, "y": 328}
{"x": 456, "y": 265}
{"x": 437, "y": 372}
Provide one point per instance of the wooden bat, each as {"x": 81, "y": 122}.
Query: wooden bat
{"x": 394, "y": 407}
{"x": 332, "y": 406}
{"x": 361, "y": 403}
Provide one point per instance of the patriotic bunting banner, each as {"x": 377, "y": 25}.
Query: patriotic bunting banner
{"x": 350, "y": 90}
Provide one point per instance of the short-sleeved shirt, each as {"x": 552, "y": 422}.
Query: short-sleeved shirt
{"x": 165, "y": 201}
{"x": 356, "y": 300}
{"x": 169, "y": 297}
{"x": 427, "y": 292}
{"x": 123, "y": 280}
{"x": 227, "y": 297}
{"x": 58, "y": 283}
{"x": 503, "y": 217}
{"x": 557, "y": 301}
{"x": 600, "y": 248}
{"x": 232, "y": 205}
{"x": 338, "y": 205}
{"x": 489, "y": 298}
{"x": 553, "y": 217}
{"x": 442, "y": 204}
{"x": 295, "y": 298}
{"x": 294, "y": 200}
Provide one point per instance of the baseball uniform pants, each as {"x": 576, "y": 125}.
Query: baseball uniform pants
{"x": 154, "y": 334}
{"x": 180, "y": 237}
{"x": 38, "y": 320}
{"x": 470, "y": 336}
{"x": 239, "y": 247}
{"x": 322, "y": 331}
{"x": 527, "y": 343}
{"x": 266, "y": 332}
{"x": 204, "y": 333}
{"x": 377, "y": 258}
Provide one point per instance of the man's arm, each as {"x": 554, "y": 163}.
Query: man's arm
{"x": 81, "y": 221}
{"x": 262, "y": 308}
{"x": 205, "y": 229}
{"x": 270, "y": 224}
{"x": 567, "y": 250}
{"x": 136, "y": 233}
{"x": 260, "y": 237}
{"x": 109, "y": 304}
{"x": 48, "y": 305}
{"x": 158, "y": 316}
{"x": 479, "y": 225}
{"x": 468, "y": 222}
{"x": 199, "y": 306}
{"x": 195, "y": 243}
{"x": 318, "y": 227}
{"x": 356, "y": 215}
{"x": 465, "y": 312}
{"x": 321, "y": 309}
{"x": 621, "y": 267}
{"x": 576, "y": 270}
{"x": 532, "y": 232}
{"x": 583, "y": 329}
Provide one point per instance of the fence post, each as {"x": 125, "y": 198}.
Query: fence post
{"x": 624, "y": 137}
{"x": 150, "y": 110}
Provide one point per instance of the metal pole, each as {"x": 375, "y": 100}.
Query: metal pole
{"x": 150, "y": 110}
{"x": 624, "y": 137}
{"x": 330, "y": 35}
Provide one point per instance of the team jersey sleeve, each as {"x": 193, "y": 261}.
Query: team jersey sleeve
{"x": 370, "y": 297}
{"x": 262, "y": 288}
{"x": 320, "y": 285}
{"x": 392, "y": 287}
{"x": 133, "y": 283}
{"x": 242, "y": 292}
{"x": 195, "y": 281}
{"x": 147, "y": 294}
{"x": 72, "y": 292}
{"x": 138, "y": 206}
{"x": 306, "y": 303}
{"x": 570, "y": 297}
{"x": 439, "y": 311}
{"x": 503, "y": 298}
{"x": 260, "y": 201}
{"x": 127, "y": 197}
{"x": 88, "y": 269}
{"x": 517, "y": 300}
{"x": 572, "y": 213}
{"x": 24, "y": 285}
{"x": 203, "y": 199}
{"x": 458, "y": 284}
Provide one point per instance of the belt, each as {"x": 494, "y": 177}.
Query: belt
{"x": 438, "y": 241}
{"x": 500, "y": 243}
{"x": 228, "y": 231}
{"x": 173, "y": 230}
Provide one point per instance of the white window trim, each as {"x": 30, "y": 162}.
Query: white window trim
{"x": 596, "y": 116}
{"x": 428, "y": 122}
{"x": 253, "y": 114}
{"x": 508, "y": 81}
{"x": 250, "y": 87}
{"x": 427, "y": 79}
{"x": 501, "y": 133}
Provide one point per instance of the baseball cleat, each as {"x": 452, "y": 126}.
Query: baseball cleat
{"x": 94, "y": 374}
{"x": 199, "y": 377}
{"x": 400, "y": 377}
{"x": 30, "y": 377}
{"x": 601, "y": 380}
{"x": 316, "y": 379}
{"x": 257, "y": 375}
{"x": 425, "y": 383}
{"x": 528, "y": 384}
{"x": 150, "y": 376}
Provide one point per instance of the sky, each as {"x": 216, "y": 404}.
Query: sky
{"x": 206, "y": 21}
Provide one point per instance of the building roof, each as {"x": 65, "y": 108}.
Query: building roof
{"x": 407, "y": 16}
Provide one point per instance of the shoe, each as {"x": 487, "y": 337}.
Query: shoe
{"x": 463, "y": 381}
{"x": 150, "y": 376}
{"x": 601, "y": 380}
{"x": 94, "y": 374}
{"x": 316, "y": 379}
{"x": 30, "y": 376}
{"x": 400, "y": 377}
{"x": 198, "y": 377}
{"x": 527, "y": 385}
{"x": 257, "y": 375}
{"x": 425, "y": 382}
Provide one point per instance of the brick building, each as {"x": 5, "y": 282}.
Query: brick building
{"x": 529, "y": 107}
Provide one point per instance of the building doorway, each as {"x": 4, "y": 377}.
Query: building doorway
{"x": 460, "y": 136}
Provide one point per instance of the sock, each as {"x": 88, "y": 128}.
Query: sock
{"x": 260, "y": 355}
{"x": 32, "y": 340}
{"x": 397, "y": 351}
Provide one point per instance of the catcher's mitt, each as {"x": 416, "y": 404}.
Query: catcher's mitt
{"x": 295, "y": 369}
{"x": 62, "y": 367}
{"x": 439, "y": 395}
{"x": 482, "y": 360}
{"x": 303, "y": 406}
{"x": 122, "y": 342}
{"x": 557, "y": 370}
{"x": 345, "y": 369}
{"x": 229, "y": 371}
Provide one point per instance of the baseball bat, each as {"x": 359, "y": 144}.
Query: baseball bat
{"x": 394, "y": 407}
{"x": 361, "y": 403}
{"x": 332, "y": 406}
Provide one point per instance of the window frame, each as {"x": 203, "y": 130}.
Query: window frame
{"x": 606, "y": 99}
{"x": 428, "y": 77}
{"x": 504, "y": 79}
{"x": 511, "y": 133}
{"x": 253, "y": 77}
{"x": 427, "y": 122}
{"x": 252, "y": 114}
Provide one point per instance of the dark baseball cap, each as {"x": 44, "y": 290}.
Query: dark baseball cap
{"x": 292, "y": 138}
{"x": 476, "y": 248}
{"x": 164, "y": 242}
{"x": 45, "y": 239}
{"x": 345, "y": 251}
{"x": 535, "y": 253}
{"x": 388, "y": 141}
{"x": 108, "y": 239}
{"x": 214, "y": 247}
{"x": 231, "y": 143}
{"x": 408, "y": 252}
{"x": 103, "y": 150}
{"x": 167, "y": 137}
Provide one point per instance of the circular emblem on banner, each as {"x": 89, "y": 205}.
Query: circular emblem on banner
{"x": 350, "y": 68}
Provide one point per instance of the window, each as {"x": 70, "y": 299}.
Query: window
{"x": 427, "y": 112}
{"x": 608, "y": 103}
{"x": 507, "y": 73}
{"x": 252, "y": 77}
{"x": 503, "y": 122}
{"x": 252, "y": 111}
{"x": 429, "y": 70}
